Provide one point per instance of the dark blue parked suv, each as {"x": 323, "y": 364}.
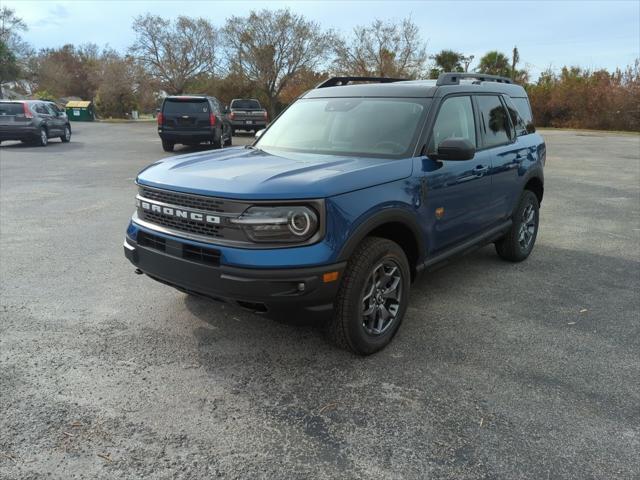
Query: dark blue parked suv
{"x": 347, "y": 196}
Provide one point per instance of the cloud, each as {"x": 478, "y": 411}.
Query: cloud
{"x": 54, "y": 16}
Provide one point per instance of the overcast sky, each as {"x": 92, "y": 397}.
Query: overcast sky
{"x": 590, "y": 34}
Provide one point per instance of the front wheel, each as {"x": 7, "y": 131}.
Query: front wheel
{"x": 518, "y": 243}
{"x": 373, "y": 297}
{"x": 66, "y": 138}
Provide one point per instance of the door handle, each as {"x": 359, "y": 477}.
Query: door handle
{"x": 480, "y": 170}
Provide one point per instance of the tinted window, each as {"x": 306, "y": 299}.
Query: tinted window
{"x": 524, "y": 109}
{"x": 40, "y": 108}
{"x": 516, "y": 120}
{"x": 455, "y": 120}
{"x": 245, "y": 104}
{"x": 185, "y": 107}
{"x": 50, "y": 109}
{"x": 495, "y": 123}
{"x": 11, "y": 109}
{"x": 350, "y": 126}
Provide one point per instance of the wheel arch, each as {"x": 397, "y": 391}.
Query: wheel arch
{"x": 535, "y": 185}
{"x": 394, "y": 224}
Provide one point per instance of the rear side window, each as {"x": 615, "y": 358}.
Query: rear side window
{"x": 11, "y": 109}
{"x": 524, "y": 109}
{"x": 245, "y": 104}
{"x": 495, "y": 123}
{"x": 185, "y": 107}
{"x": 516, "y": 119}
{"x": 455, "y": 120}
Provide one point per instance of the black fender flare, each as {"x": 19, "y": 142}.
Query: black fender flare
{"x": 388, "y": 215}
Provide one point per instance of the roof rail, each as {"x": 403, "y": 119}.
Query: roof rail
{"x": 453, "y": 78}
{"x": 336, "y": 81}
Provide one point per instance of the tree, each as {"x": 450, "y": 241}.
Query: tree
{"x": 9, "y": 69}
{"x": 384, "y": 49}
{"x": 495, "y": 63}
{"x": 515, "y": 58}
{"x": 10, "y": 28}
{"x": 68, "y": 71}
{"x": 175, "y": 53}
{"x": 448, "y": 61}
{"x": 116, "y": 96}
{"x": 270, "y": 47}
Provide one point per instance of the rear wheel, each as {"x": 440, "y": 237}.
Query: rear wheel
{"x": 167, "y": 146}
{"x": 66, "y": 138}
{"x": 43, "y": 138}
{"x": 373, "y": 297}
{"x": 518, "y": 243}
{"x": 228, "y": 135}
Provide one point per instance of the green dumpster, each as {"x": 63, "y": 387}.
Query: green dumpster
{"x": 80, "y": 111}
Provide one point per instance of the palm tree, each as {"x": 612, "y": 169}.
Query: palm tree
{"x": 495, "y": 63}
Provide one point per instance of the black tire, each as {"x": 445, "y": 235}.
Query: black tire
{"x": 350, "y": 326}
{"x": 66, "y": 138}
{"x": 167, "y": 146}
{"x": 518, "y": 243}
{"x": 43, "y": 139}
{"x": 228, "y": 140}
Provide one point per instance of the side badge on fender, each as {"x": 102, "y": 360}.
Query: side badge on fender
{"x": 439, "y": 213}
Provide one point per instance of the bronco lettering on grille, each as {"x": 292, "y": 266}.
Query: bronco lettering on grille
{"x": 177, "y": 212}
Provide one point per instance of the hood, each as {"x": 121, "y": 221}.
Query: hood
{"x": 245, "y": 173}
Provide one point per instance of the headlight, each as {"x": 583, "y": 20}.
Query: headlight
{"x": 285, "y": 223}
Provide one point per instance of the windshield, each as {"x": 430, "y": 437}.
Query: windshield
{"x": 183, "y": 107}
{"x": 245, "y": 104}
{"x": 383, "y": 127}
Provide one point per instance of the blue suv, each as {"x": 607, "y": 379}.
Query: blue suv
{"x": 353, "y": 191}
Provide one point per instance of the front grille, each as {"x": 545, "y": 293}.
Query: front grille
{"x": 184, "y": 225}
{"x": 210, "y": 204}
{"x": 207, "y": 256}
{"x": 222, "y": 208}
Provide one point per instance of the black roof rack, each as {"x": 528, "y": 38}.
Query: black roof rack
{"x": 453, "y": 78}
{"x": 336, "y": 81}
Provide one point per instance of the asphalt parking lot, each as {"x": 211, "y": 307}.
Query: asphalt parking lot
{"x": 500, "y": 371}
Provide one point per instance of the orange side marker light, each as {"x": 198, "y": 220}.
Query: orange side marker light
{"x": 330, "y": 277}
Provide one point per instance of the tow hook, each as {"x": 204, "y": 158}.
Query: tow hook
{"x": 137, "y": 271}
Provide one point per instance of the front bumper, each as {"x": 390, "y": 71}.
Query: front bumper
{"x": 275, "y": 292}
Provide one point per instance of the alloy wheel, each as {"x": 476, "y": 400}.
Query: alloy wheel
{"x": 381, "y": 297}
{"x": 527, "y": 227}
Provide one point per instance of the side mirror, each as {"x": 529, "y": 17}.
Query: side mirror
{"x": 531, "y": 128}
{"x": 259, "y": 133}
{"x": 456, "y": 149}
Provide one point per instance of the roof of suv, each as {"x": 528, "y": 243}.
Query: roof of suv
{"x": 415, "y": 89}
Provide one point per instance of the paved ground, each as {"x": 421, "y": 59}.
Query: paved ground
{"x": 499, "y": 371}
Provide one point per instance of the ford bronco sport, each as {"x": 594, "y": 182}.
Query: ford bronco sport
{"x": 350, "y": 194}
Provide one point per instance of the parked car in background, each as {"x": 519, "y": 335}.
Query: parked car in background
{"x": 193, "y": 119}
{"x": 32, "y": 121}
{"x": 247, "y": 114}
{"x": 345, "y": 199}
